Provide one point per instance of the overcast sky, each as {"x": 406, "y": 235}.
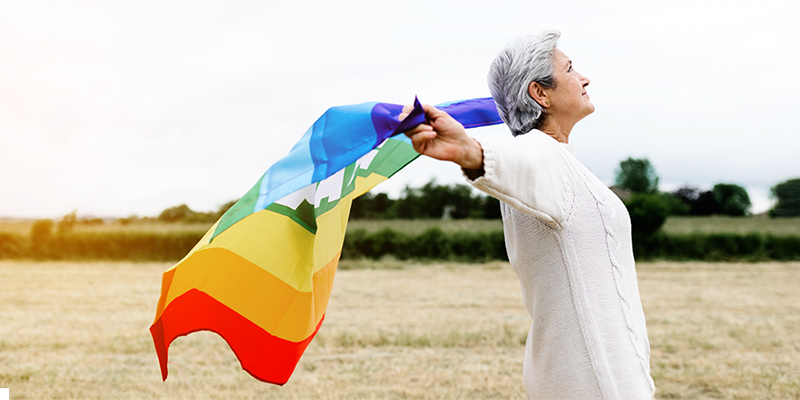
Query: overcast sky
{"x": 122, "y": 108}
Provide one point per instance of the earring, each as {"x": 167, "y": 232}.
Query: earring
{"x": 548, "y": 102}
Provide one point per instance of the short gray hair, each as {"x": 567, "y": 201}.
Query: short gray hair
{"x": 524, "y": 60}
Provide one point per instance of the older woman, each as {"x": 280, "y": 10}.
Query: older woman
{"x": 568, "y": 236}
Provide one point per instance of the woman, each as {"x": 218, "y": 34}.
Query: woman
{"x": 568, "y": 236}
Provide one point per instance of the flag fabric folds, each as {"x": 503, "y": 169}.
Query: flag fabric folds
{"x": 261, "y": 277}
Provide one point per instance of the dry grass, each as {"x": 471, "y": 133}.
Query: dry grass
{"x": 723, "y": 331}
{"x": 79, "y": 330}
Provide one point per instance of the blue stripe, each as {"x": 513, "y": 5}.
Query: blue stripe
{"x": 343, "y": 134}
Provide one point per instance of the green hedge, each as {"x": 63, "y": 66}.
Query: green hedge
{"x": 485, "y": 246}
{"x": 433, "y": 244}
{"x": 719, "y": 247}
{"x": 12, "y": 245}
{"x": 132, "y": 246}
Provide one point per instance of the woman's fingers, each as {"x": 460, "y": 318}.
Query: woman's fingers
{"x": 423, "y": 139}
{"x": 406, "y": 110}
{"x": 425, "y": 130}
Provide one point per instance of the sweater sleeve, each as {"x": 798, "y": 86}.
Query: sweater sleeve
{"x": 530, "y": 173}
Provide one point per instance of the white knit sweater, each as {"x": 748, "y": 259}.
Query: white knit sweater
{"x": 569, "y": 241}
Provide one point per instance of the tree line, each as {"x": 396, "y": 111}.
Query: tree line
{"x": 636, "y": 183}
{"x": 638, "y": 176}
{"x": 649, "y": 208}
{"x": 431, "y": 201}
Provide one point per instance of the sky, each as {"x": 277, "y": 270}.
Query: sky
{"x": 127, "y": 108}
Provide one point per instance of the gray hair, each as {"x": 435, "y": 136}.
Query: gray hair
{"x": 524, "y": 60}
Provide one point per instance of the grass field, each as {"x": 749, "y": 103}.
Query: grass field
{"x": 393, "y": 330}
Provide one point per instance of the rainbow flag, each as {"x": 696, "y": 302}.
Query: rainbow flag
{"x": 261, "y": 277}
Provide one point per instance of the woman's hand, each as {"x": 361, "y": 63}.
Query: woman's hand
{"x": 444, "y": 138}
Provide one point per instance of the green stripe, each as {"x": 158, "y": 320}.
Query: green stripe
{"x": 304, "y": 214}
{"x": 391, "y": 157}
{"x": 241, "y": 209}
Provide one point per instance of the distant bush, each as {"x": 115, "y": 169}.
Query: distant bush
{"x": 676, "y": 205}
{"x": 698, "y": 202}
{"x": 788, "y": 196}
{"x": 12, "y": 245}
{"x": 722, "y": 199}
{"x": 371, "y": 206}
{"x": 176, "y": 214}
{"x": 88, "y": 221}
{"x": 67, "y": 223}
{"x": 184, "y": 214}
{"x": 41, "y": 238}
{"x": 731, "y": 199}
{"x": 648, "y": 213}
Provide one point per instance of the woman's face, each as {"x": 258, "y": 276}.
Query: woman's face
{"x": 569, "y": 98}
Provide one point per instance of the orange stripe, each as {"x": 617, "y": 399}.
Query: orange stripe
{"x": 166, "y": 282}
{"x": 264, "y": 356}
{"x": 252, "y": 292}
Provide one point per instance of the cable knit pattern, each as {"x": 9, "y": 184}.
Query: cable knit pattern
{"x": 569, "y": 241}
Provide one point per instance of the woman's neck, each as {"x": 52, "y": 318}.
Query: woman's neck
{"x": 556, "y": 130}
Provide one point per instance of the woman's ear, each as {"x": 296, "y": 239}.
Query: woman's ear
{"x": 537, "y": 92}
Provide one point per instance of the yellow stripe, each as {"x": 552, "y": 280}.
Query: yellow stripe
{"x": 332, "y": 225}
{"x": 206, "y": 239}
{"x": 242, "y": 267}
{"x": 254, "y": 293}
{"x": 286, "y": 249}
{"x": 365, "y": 184}
{"x": 273, "y": 242}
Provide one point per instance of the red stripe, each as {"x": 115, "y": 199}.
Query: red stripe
{"x": 266, "y": 357}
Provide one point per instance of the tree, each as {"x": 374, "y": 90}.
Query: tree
{"x": 687, "y": 195}
{"x": 490, "y": 208}
{"x": 676, "y": 205}
{"x": 637, "y": 175}
{"x": 788, "y": 196}
{"x": 731, "y": 199}
{"x": 698, "y": 202}
{"x": 648, "y": 213}
{"x": 706, "y": 204}
{"x": 41, "y": 237}
{"x": 67, "y": 223}
{"x": 371, "y": 206}
{"x": 433, "y": 201}
{"x": 224, "y": 208}
{"x": 408, "y": 206}
{"x": 175, "y": 214}
{"x": 461, "y": 201}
